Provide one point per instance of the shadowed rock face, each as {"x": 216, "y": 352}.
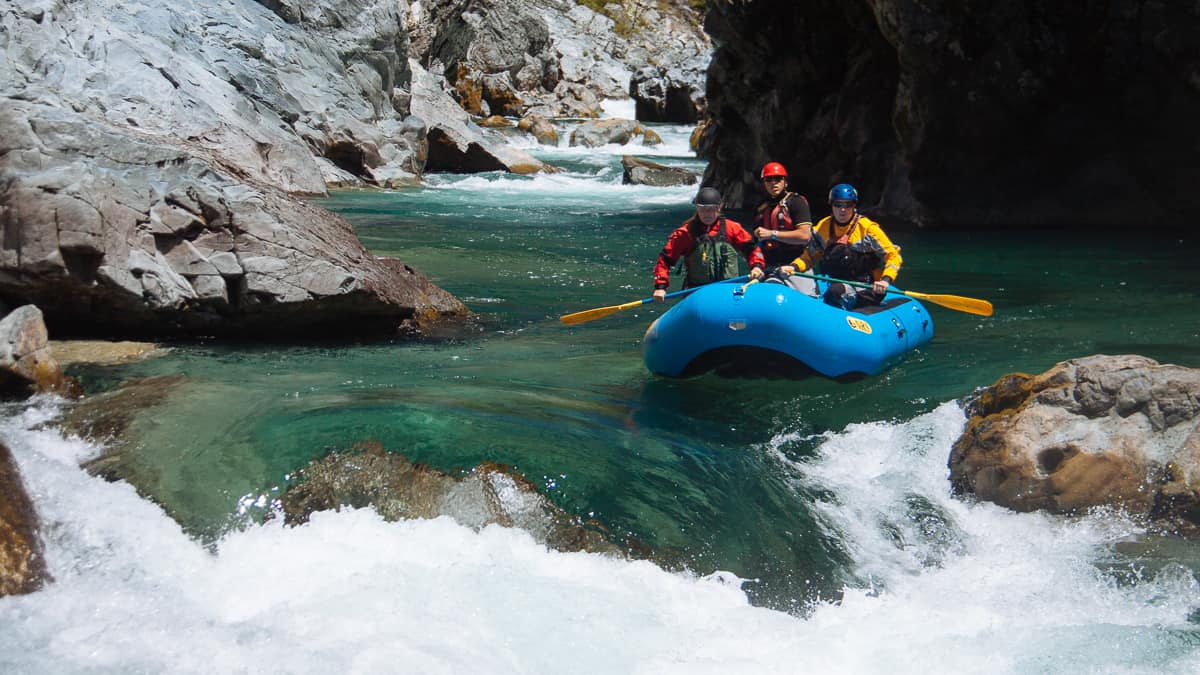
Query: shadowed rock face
{"x": 1118, "y": 431}
{"x": 964, "y": 114}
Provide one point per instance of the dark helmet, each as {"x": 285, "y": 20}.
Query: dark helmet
{"x": 843, "y": 192}
{"x": 773, "y": 169}
{"x": 707, "y": 197}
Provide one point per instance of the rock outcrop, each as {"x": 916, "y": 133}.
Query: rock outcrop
{"x": 118, "y": 233}
{"x": 22, "y": 566}
{"x": 952, "y": 113}
{"x": 1119, "y": 431}
{"x": 456, "y": 144}
{"x": 148, "y": 151}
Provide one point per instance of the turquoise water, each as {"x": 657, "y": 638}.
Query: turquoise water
{"x": 671, "y": 463}
{"x": 828, "y": 500}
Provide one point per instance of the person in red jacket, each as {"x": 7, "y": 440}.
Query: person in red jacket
{"x": 709, "y": 245}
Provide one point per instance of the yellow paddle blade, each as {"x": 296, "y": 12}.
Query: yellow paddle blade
{"x": 592, "y": 314}
{"x": 968, "y": 305}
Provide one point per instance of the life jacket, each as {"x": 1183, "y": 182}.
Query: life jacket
{"x": 777, "y": 216}
{"x": 711, "y": 258}
{"x": 853, "y": 262}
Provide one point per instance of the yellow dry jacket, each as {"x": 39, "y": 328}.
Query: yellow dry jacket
{"x": 859, "y": 227}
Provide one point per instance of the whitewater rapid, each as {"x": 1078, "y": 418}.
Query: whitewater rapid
{"x": 945, "y": 585}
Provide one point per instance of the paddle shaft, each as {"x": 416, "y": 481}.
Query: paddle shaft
{"x": 599, "y": 312}
{"x": 955, "y": 302}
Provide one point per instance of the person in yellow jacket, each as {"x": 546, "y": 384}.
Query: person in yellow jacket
{"x": 851, "y": 246}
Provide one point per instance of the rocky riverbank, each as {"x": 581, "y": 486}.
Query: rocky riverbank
{"x": 152, "y": 155}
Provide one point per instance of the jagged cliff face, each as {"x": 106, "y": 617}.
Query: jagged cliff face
{"x": 964, "y": 114}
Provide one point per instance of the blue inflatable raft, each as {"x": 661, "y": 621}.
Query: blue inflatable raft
{"x": 724, "y": 321}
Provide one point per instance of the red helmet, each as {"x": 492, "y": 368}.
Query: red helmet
{"x": 773, "y": 169}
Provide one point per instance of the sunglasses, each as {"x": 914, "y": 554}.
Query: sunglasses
{"x": 843, "y": 205}
{"x": 773, "y": 179}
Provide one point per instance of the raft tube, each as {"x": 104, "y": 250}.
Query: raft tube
{"x": 728, "y": 318}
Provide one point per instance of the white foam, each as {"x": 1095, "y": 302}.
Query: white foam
{"x": 348, "y": 592}
{"x": 624, "y": 108}
{"x": 563, "y": 189}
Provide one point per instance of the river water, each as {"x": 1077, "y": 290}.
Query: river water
{"x": 809, "y": 524}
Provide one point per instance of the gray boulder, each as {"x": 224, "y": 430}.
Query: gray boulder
{"x": 26, "y": 361}
{"x": 595, "y": 133}
{"x": 642, "y": 172}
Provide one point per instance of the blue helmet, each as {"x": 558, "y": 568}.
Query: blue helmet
{"x": 843, "y": 192}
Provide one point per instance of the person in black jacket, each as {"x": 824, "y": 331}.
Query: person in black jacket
{"x": 783, "y": 227}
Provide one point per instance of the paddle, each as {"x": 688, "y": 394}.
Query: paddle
{"x": 957, "y": 302}
{"x": 600, "y": 312}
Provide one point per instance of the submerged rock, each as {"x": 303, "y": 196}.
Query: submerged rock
{"x": 103, "y": 352}
{"x": 1121, "y": 431}
{"x": 22, "y": 565}
{"x": 397, "y": 488}
{"x": 105, "y": 418}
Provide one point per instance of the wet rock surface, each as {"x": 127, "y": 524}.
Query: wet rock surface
{"x": 27, "y": 363}
{"x": 639, "y": 171}
{"x": 1119, "y": 431}
{"x": 22, "y": 565}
